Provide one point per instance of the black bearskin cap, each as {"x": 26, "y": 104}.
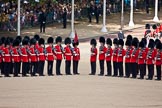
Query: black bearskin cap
{"x": 109, "y": 41}
{"x": 3, "y": 39}
{"x": 25, "y": 41}
{"x": 1, "y": 42}
{"x": 50, "y": 40}
{"x": 33, "y": 41}
{"x": 58, "y": 39}
{"x": 159, "y": 45}
{"x": 121, "y": 42}
{"x": 36, "y": 37}
{"x": 27, "y": 37}
{"x": 147, "y": 26}
{"x": 141, "y": 44}
{"x": 128, "y": 42}
{"x": 16, "y": 42}
{"x": 115, "y": 41}
{"x": 102, "y": 40}
{"x": 67, "y": 41}
{"x": 154, "y": 26}
{"x": 144, "y": 40}
{"x": 41, "y": 41}
{"x": 11, "y": 39}
{"x": 75, "y": 43}
{"x": 156, "y": 41}
{"x": 7, "y": 41}
{"x": 135, "y": 42}
{"x": 129, "y": 37}
{"x": 93, "y": 42}
{"x": 151, "y": 43}
{"x": 19, "y": 38}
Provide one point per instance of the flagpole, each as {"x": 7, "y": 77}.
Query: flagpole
{"x": 104, "y": 17}
{"x": 18, "y": 19}
{"x": 72, "y": 21}
{"x": 156, "y": 19}
{"x": 131, "y": 23}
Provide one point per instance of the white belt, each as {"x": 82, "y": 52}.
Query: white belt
{"x": 68, "y": 54}
{"x": 15, "y": 55}
{"x": 49, "y": 53}
{"x": 7, "y": 55}
{"x": 24, "y": 55}
{"x": 41, "y": 54}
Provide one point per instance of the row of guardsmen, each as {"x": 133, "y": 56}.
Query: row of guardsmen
{"x": 32, "y": 54}
{"x": 137, "y": 56}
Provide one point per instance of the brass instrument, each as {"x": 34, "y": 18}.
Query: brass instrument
{"x": 108, "y": 51}
{"x": 149, "y": 54}
{"x": 140, "y": 53}
{"x": 128, "y": 52}
{"x": 36, "y": 51}
{"x": 158, "y": 55}
{"x": 115, "y": 50}
{"x": 120, "y": 51}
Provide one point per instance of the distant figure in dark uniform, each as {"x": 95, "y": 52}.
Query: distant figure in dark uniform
{"x": 97, "y": 13}
{"x": 64, "y": 17}
{"x": 147, "y": 6}
{"x": 42, "y": 21}
{"x": 89, "y": 10}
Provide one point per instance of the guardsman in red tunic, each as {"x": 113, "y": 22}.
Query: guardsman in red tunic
{"x": 7, "y": 58}
{"x": 50, "y": 56}
{"x": 114, "y": 54}
{"x": 102, "y": 51}
{"x": 2, "y": 54}
{"x": 68, "y": 56}
{"x": 158, "y": 60}
{"x": 150, "y": 59}
{"x": 134, "y": 57}
{"x": 142, "y": 59}
{"x": 25, "y": 57}
{"x": 41, "y": 57}
{"x": 58, "y": 53}
{"x": 147, "y": 33}
{"x": 93, "y": 56}
{"x": 15, "y": 57}
{"x": 121, "y": 54}
{"x": 155, "y": 32}
{"x": 33, "y": 57}
{"x": 76, "y": 55}
{"x": 128, "y": 57}
{"x": 36, "y": 37}
{"x": 109, "y": 56}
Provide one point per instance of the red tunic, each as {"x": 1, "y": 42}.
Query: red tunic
{"x": 150, "y": 56}
{"x": 50, "y": 55}
{"x": 115, "y": 53}
{"x": 121, "y": 54}
{"x": 15, "y": 56}
{"x": 24, "y": 57}
{"x": 67, "y": 53}
{"x": 76, "y": 55}
{"x": 142, "y": 56}
{"x": 102, "y": 53}
{"x": 158, "y": 56}
{"x": 128, "y": 55}
{"x": 93, "y": 54}
{"x": 58, "y": 52}
{"x": 109, "y": 54}
{"x": 41, "y": 56}
{"x": 7, "y": 56}
{"x": 33, "y": 56}
{"x": 134, "y": 56}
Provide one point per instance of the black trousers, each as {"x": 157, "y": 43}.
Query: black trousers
{"x": 25, "y": 68}
{"x": 150, "y": 71}
{"x": 16, "y": 68}
{"x": 142, "y": 70}
{"x": 67, "y": 67}
{"x": 42, "y": 27}
{"x": 120, "y": 68}
{"x": 2, "y": 67}
{"x": 158, "y": 70}
{"x": 7, "y": 66}
{"x": 115, "y": 67}
{"x": 40, "y": 67}
{"x": 50, "y": 67}
{"x": 58, "y": 65}
{"x": 93, "y": 68}
{"x": 127, "y": 69}
{"x": 28, "y": 68}
{"x": 134, "y": 69}
{"x": 97, "y": 18}
{"x": 33, "y": 68}
{"x": 90, "y": 17}
{"x": 101, "y": 67}
{"x": 11, "y": 68}
{"x": 64, "y": 23}
{"x": 145, "y": 69}
{"x": 19, "y": 67}
{"x": 109, "y": 70}
{"x": 75, "y": 67}
{"x": 37, "y": 64}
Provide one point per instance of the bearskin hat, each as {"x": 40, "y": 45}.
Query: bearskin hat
{"x": 67, "y": 41}
{"x": 135, "y": 42}
{"x": 154, "y": 26}
{"x": 33, "y": 41}
{"x": 129, "y": 37}
{"x": 58, "y": 39}
{"x": 11, "y": 39}
{"x": 41, "y": 41}
{"x": 7, "y": 41}
{"x": 102, "y": 40}
{"x": 121, "y": 42}
{"x": 0, "y": 42}
{"x": 3, "y": 39}
{"x": 25, "y": 41}
{"x": 147, "y": 26}
{"x": 50, "y": 40}
{"x": 93, "y": 42}
{"x": 156, "y": 41}
{"x": 151, "y": 43}
{"x": 15, "y": 42}
{"x": 141, "y": 44}
{"x": 27, "y": 37}
{"x": 128, "y": 43}
{"x": 109, "y": 41}
{"x": 19, "y": 38}
{"x": 159, "y": 45}
{"x": 75, "y": 43}
{"x": 115, "y": 41}
{"x": 144, "y": 40}
{"x": 36, "y": 37}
